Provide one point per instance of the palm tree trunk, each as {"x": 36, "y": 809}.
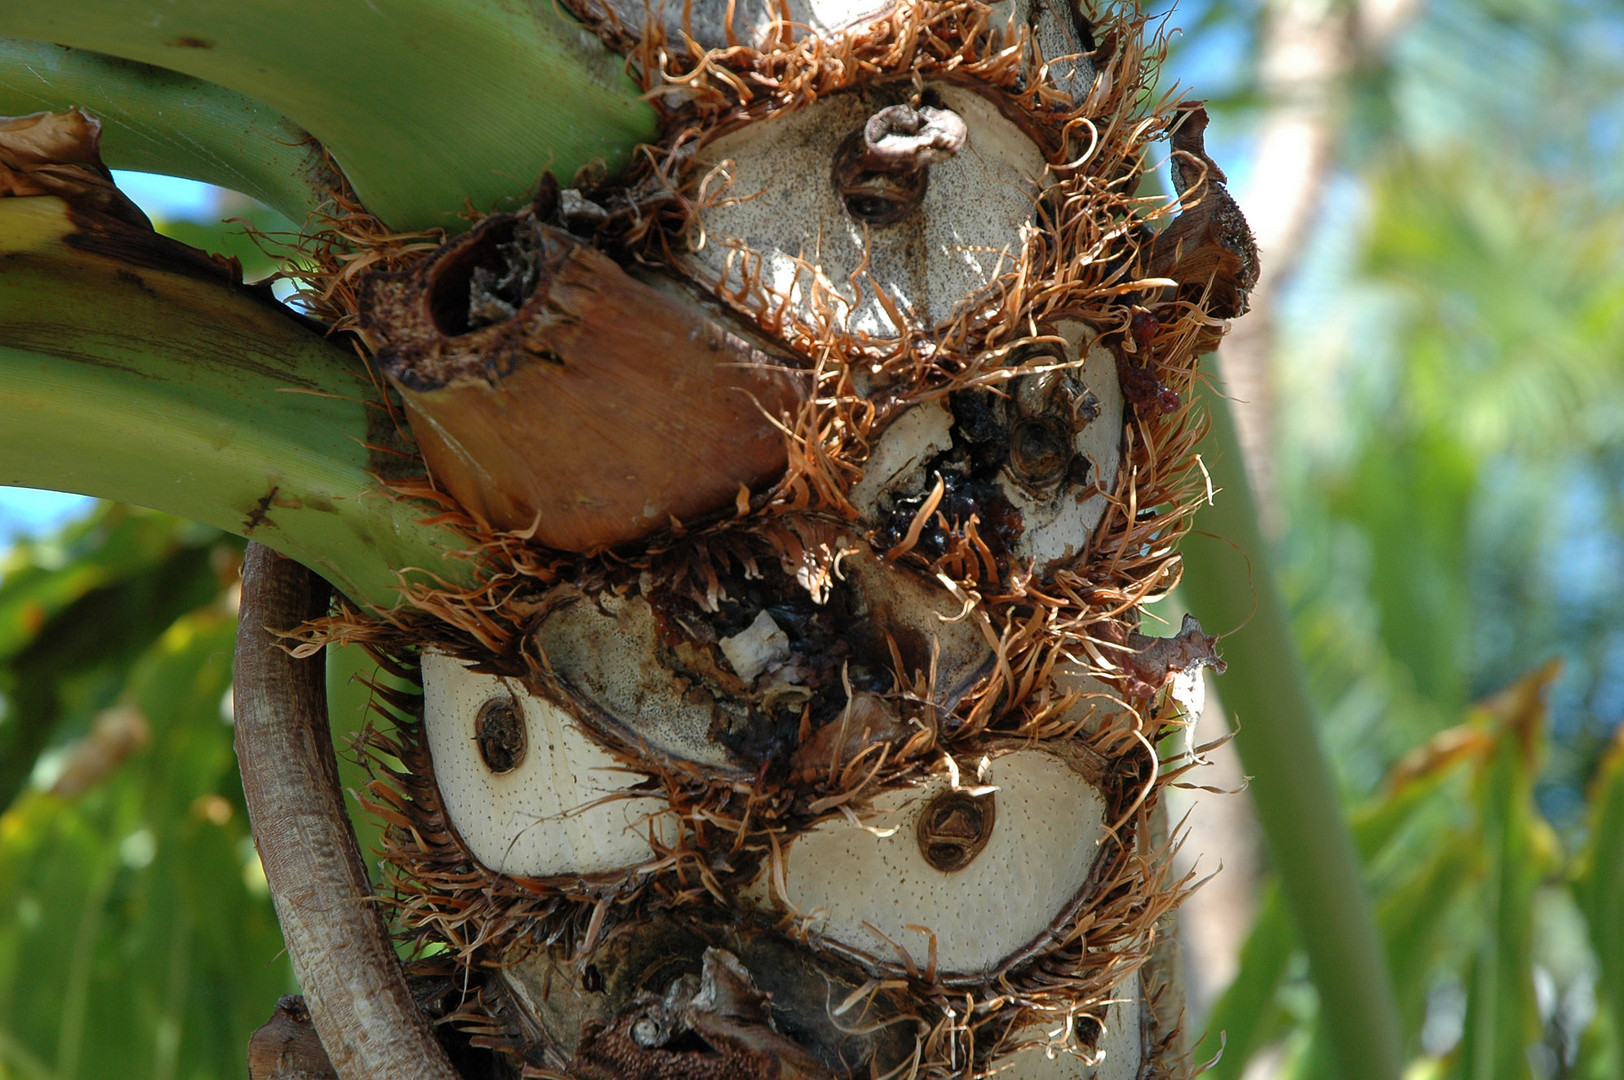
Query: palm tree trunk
{"x": 792, "y": 714}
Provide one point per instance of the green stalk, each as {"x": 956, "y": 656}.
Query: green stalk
{"x": 1599, "y": 884}
{"x": 128, "y": 375}
{"x": 427, "y": 105}
{"x": 1502, "y": 1016}
{"x": 164, "y": 122}
{"x": 1230, "y": 587}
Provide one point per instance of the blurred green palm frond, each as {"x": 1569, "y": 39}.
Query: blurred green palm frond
{"x": 137, "y": 937}
{"x": 1486, "y": 922}
{"x": 1451, "y": 459}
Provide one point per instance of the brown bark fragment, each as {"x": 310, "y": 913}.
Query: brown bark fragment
{"x": 287, "y": 1046}
{"x": 1153, "y": 661}
{"x": 1209, "y": 246}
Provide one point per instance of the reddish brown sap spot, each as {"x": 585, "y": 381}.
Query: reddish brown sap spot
{"x": 1138, "y": 371}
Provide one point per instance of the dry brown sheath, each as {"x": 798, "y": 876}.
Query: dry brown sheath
{"x": 1209, "y": 245}
{"x": 594, "y": 407}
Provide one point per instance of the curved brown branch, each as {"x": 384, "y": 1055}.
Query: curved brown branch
{"x": 341, "y": 953}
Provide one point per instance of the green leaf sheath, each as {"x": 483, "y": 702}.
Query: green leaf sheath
{"x": 160, "y": 121}
{"x": 1599, "y": 884}
{"x": 427, "y": 105}
{"x": 1229, "y": 586}
{"x": 1502, "y": 1020}
{"x": 178, "y": 391}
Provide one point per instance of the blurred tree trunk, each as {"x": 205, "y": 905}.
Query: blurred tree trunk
{"x": 1307, "y": 52}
